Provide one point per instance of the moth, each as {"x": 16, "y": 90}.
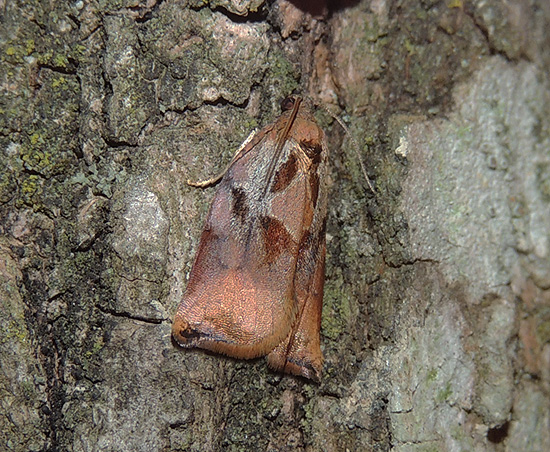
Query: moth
{"x": 256, "y": 284}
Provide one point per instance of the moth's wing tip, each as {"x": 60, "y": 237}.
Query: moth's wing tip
{"x": 183, "y": 334}
{"x": 313, "y": 371}
{"x": 200, "y": 335}
{"x": 312, "y": 374}
{"x": 309, "y": 369}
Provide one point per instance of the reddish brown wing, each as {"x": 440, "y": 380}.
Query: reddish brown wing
{"x": 241, "y": 297}
{"x": 300, "y": 352}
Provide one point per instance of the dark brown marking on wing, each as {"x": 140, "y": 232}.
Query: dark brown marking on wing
{"x": 313, "y": 150}
{"x": 276, "y": 238}
{"x": 240, "y": 204}
{"x": 311, "y": 239}
{"x": 309, "y": 247}
{"x": 208, "y": 235}
{"x": 285, "y": 174}
{"x": 314, "y": 186}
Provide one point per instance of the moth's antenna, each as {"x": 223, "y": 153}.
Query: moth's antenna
{"x": 355, "y": 145}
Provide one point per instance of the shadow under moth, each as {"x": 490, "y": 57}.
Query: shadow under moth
{"x": 256, "y": 285}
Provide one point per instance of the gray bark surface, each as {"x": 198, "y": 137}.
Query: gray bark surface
{"x": 436, "y": 321}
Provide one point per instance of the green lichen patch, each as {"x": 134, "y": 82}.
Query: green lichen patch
{"x": 282, "y": 76}
{"x": 240, "y": 7}
{"x": 336, "y": 307}
{"x": 444, "y": 394}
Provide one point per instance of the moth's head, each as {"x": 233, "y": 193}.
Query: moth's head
{"x": 296, "y": 106}
{"x": 288, "y": 102}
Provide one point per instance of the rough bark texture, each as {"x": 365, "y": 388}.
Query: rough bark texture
{"x": 436, "y": 322}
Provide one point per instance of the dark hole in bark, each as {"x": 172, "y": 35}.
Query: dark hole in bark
{"x": 499, "y": 433}
{"x": 320, "y": 7}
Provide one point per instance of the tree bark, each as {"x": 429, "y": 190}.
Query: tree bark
{"x": 436, "y": 324}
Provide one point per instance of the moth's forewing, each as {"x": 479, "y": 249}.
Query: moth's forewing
{"x": 300, "y": 352}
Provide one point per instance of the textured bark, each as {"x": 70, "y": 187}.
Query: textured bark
{"x": 436, "y": 325}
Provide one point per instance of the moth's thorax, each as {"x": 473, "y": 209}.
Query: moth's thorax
{"x": 305, "y": 128}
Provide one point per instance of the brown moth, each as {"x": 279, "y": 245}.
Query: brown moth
{"x": 256, "y": 285}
